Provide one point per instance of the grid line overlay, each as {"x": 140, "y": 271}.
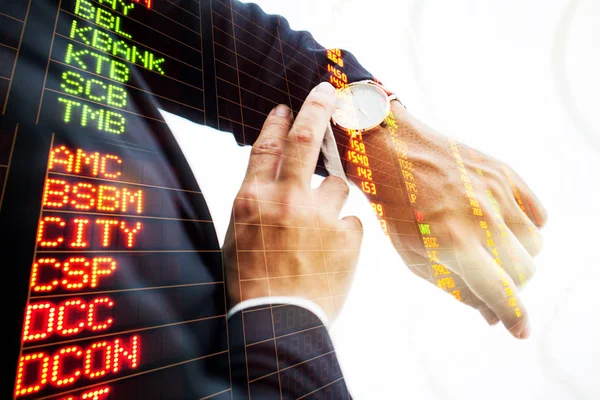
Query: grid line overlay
{"x": 155, "y": 287}
{"x": 146, "y": 227}
{"x": 15, "y": 24}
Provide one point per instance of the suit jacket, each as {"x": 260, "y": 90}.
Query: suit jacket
{"x": 283, "y": 351}
{"x": 221, "y": 63}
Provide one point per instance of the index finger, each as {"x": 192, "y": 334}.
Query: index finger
{"x": 302, "y": 148}
{"x": 266, "y": 152}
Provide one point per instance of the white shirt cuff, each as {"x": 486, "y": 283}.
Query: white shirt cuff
{"x": 289, "y": 300}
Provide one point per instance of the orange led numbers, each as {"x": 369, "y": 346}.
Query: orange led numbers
{"x": 357, "y": 158}
{"x": 477, "y": 211}
{"x": 357, "y": 145}
{"x": 433, "y": 256}
{"x": 446, "y": 283}
{"x": 430, "y": 242}
{"x": 384, "y": 225}
{"x": 378, "y": 209}
{"x": 337, "y": 73}
{"x": 335, "y": 55}
{"x": 439, "y": 269}
{"x": 368, "y": 187}
{"x": 337, "y": 83}
{"x": 365, "y": 173}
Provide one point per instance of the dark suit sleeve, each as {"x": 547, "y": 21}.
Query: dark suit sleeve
{"x": 301, "y": 44}
{"x": 283, "y": 349}
{"x": 260, "y": 61}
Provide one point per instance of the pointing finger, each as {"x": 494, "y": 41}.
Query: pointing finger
{"x": 267, "y": 151}
{"x": 302, "y": 148}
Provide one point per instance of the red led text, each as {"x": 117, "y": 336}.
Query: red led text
{"x": 95, "y": 394}
{"x": 68, "y": 364}
{"x": 79, "y": 162}
{"x": 76, "y": 233}
{"x": 75, "y": 273}
{"x": 85, "y": 196}
{"x": 70, "y": 317}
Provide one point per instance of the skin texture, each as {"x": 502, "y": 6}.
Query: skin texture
{"x": 488, "y": 256}
{"x": 284, "y": 238}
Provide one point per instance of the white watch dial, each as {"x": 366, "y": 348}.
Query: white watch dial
{"x": 361, "y": 107}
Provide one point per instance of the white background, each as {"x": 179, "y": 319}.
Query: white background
{"x": 517, "y": 79}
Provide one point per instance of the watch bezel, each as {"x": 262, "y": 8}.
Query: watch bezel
{"x": 381, "y": 91}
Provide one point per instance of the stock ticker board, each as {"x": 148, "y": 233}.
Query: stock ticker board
{"x": 116, "y": 284}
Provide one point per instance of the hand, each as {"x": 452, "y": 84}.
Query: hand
{"x": 286, "y": 239}
{"x": 477, "y": 221}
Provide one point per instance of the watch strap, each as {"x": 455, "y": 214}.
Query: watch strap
{"x": 391, "y": 95}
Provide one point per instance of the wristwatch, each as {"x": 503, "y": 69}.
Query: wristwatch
{"x": 362, "y": 106}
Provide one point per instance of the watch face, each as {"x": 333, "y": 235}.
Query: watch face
{"x": 361, "y": 107}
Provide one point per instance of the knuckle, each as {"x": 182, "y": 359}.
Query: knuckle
{"x": 318, "y": 101}
{"x": 288, "y": 194}
{"x": 244, "y": 208}
{"x": 268, "y": 145}
{"x": 356, "y": 225}
{"x": 494, "y": 174}
{"x": 359, "y": 226}
{"x": 488, "y": 214}
{"x": 339, "y": 183}
{"x": 497, "y": 291}
{"x": 511, "y": 173}
{"x": 530, "y": 238}
{"x": 451, "y": 189}
{"x": 464, "y": 237}
{"x": 303, "y": 134}
{"x": 277, "y": 123}
{"x": 284, "y": 214}
{"x": 286, "y": 210}
{"x": 496, "y": 188}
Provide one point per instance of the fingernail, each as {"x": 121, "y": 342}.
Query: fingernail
{"x": 325, "y": 87}
{"x": 525, "y": 332}
{"x": 282, "y": 111}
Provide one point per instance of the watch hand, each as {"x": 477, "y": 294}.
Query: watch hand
{"x": 364, "y": 113}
